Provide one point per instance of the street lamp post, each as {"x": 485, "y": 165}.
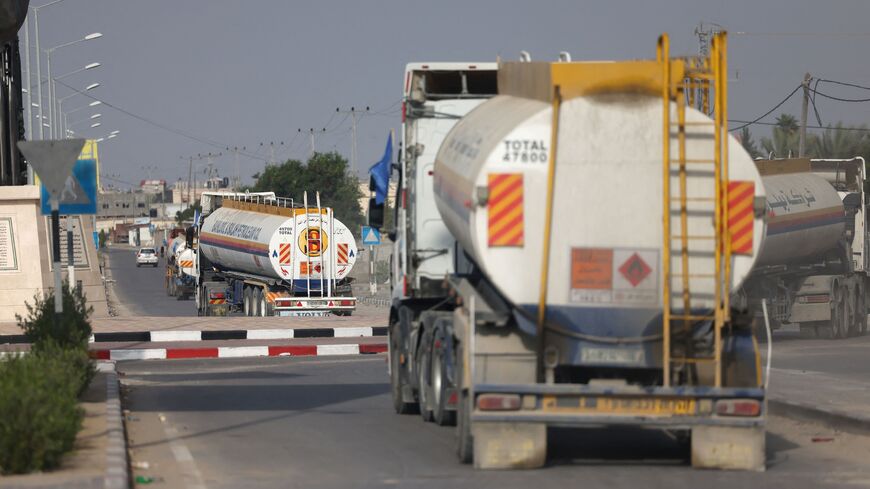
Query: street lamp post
{"x": 60, "y": 125}
{"x": 62, "y": 99}
{"x": 39, "y": 64}
{"x": 51, "y": 95}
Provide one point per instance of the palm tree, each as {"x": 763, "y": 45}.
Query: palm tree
{"x": 785, "y": 139}
{"x": 840, "y": 142}
{"x": 749, "y": 145}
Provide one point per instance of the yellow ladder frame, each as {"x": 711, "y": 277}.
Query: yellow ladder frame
{"x": 698, "y": 74}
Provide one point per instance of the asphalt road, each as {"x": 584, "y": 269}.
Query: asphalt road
{"x": 318, "y": 423}
{"x": 141, "y": 290}
{"x": 844, "y": 358}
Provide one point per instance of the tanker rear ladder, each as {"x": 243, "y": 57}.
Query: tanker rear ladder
{"x": 698, "y": 74}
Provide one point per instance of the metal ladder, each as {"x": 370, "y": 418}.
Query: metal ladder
{"x": 682, "y": 78}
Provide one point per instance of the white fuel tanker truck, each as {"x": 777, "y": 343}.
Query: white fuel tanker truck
{"x": 265, "y": 256}
{"x": 599, "y": 224}
{"x": 814, "y": 262}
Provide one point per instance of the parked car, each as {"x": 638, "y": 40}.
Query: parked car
{"x": 146, "y": 256}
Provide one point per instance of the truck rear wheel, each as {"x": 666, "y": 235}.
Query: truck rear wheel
{"x": 247, "y": 304}
{"x": 441, "y": 386}
{"x": 424, "y": 390}
{"x": 258, "y": 301}
{"x": 396, "y": 383}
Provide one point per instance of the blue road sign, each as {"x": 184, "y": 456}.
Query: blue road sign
{"x": 79, "y": 194}
{"x": 370, "y": 236}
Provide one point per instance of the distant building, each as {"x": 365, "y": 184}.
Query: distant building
{"x": 124, "y": 204}
{"x": 180, "y": 193}
{"x": 153, "y": 186}
{"x": 367, "y": 194}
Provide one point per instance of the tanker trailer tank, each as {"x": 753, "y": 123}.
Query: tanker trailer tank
{"x": 267, "y": 257}
{"x": 603, "y": 222}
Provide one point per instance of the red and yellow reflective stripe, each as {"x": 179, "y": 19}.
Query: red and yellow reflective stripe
{"x": 341, "y": 252}
{"x": 741, "y": 217}
{"x": 185, "y": 263}
{"x": 506, "y": 209}
{"x": 284, "y": 253}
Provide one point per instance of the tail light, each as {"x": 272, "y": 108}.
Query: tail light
{"x": 738, "y": 407}
{"x": 498, "y": 402}
{"x": 216, "y": 295}
{"x": 345, "y": 303}
{"x": 404, "y": 112}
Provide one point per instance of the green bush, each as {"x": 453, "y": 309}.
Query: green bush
{"x": 72, "y": 331}
{"x": 39, "y": 413}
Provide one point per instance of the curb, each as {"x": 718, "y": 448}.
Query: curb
{"x": 117, "y": 476}
{"x": 239, "y": 352}
{"x": 831, "y": 418}
{"x": 227, "y": 334}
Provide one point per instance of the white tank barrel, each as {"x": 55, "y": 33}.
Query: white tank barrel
{"x": 805, "y": 218}
{"x": 606, "y": 243}
{"x": 285, "y": 244}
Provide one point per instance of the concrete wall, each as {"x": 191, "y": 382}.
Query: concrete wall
{"x": 21, "y": 205}
{"x": 31, "y": 274}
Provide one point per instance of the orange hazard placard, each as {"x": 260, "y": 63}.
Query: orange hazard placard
{"x": 591, "y": 268}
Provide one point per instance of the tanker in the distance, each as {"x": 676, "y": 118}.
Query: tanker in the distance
{"x": 265, "y": 256}
{"x": 813, "y": 268}
{"x": 599, "y": 224}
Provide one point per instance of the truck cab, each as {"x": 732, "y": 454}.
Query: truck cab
{"x": 435, "y": 97}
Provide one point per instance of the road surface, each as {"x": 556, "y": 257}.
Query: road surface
{"x": 141, "y": 290}
{"x": 318, "y": 423}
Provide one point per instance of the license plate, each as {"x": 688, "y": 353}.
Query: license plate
{"x": 620, "y": 405}
{"x": 304, "y": 314}
{"x": 610, "y": 356}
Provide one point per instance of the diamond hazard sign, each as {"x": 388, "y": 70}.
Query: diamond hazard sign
{"x": 635, "y": 270}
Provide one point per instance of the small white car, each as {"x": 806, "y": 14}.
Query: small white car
{"x": 146, "y": 256}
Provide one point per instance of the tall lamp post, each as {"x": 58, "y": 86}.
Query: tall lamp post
{"x": 51, "y": 95}
{"x": 57, "y": 125}
{"x": 39, "y": 64}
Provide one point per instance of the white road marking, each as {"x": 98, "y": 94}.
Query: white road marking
{"x": 337, "y": 350}
{"x": 138, "y": 354}
{"x": 270, "y": 334}
{"x": 157, "y": 336}
{"x": 353, "y": 332}
{"x": 192, "y": 477}
{"x": 243, "y": 351}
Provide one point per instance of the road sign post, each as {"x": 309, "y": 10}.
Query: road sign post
{"x": 53, "y": 162}
{"x": 371, "y": 236}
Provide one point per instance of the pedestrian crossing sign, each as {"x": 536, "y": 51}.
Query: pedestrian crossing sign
{"x": 370, "y": 236}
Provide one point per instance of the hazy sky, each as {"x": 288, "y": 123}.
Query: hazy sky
{"x": 240, "y": 73}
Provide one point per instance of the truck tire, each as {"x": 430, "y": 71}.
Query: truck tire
{"x": 257, "y": 296}
{"x": 861, "y": 316}
{"x": 247, "y": 301}
{"x": 464, "y": 438}
{"x": 396, "y": 383}
{"x": 440, "y": 381}
{"x": 424, "y": 389}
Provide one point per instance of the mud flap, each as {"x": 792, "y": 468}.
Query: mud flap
{"x": 509, "y": 445}
{"x": 727, "y": 447}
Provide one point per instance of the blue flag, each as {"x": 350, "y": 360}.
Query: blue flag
{"x": 380, "y": 172}
{"x": 195, "y": 218}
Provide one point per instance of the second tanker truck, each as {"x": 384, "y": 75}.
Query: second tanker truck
{"x": 599, "y": 225}
{"x": 813, "y": 266}
{"x": 266, "y": 256}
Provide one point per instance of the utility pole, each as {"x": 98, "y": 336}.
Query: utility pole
{"x": 238, "y": 179}
{"x": 189, "y": 178}
{"x": 353, "y": 113}
{"x": 311, "y": 141}
{"x": 803, "y": 130}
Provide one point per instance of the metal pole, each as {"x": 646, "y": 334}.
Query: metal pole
{"x": 803, "y": 130}
{"x": 373, "y": 286}
{"x": 189, "y": 180}
{"x": 29, "y": 85}
{"x": 50, "y": 96}
{"x": 353, "y": 142}
{"x": 38, "y": 73}
{"x": 70, "y": 255}
{"x": 55, "y": 246}
{"x": 311, "y": 134}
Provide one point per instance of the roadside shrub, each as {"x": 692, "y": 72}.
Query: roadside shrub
{"x": 39, "y": 414}
{"x": 72, "y": 331}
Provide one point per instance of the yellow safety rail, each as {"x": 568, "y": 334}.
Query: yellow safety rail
{"x": 701, "y": 76}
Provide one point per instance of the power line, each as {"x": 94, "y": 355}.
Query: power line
{"x": 840, "y": 99}
{"x": 771, "y": 110}
{"x": 746, "y": 123}
{"x": 846, "y": 84}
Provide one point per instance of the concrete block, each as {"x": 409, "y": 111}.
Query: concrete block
{"x": 509, "y": 445}
{"x": 729, "y": 448}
